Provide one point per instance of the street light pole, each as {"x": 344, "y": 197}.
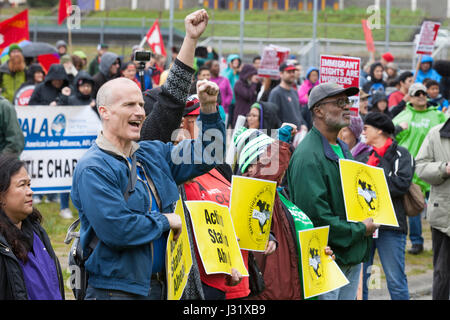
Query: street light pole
{"x": 315, "y": 32}
{"x": 241, "y": 38}
{"x": 388, "y": 24}
{"x": 169, "y": 51}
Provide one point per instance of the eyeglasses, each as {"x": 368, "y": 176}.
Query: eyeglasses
{"x": 420, "y": 93}
{"x": 340, "y": 102}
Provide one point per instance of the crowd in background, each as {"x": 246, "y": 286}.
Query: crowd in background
{"x": 397, "y": 110}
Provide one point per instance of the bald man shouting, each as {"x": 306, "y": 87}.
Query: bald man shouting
{"x": 125, "y": 190}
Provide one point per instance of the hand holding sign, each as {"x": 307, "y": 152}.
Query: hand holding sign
{"x": 175, "y": 224}
{"x": 370, "y": 226}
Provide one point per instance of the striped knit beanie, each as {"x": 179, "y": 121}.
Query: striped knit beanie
{"x": 250, "y": 143}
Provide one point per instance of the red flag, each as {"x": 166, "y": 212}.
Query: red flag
{"x": 155, "y": 40}
{"x": 368, "y": 35}
{"x": 64, "y": 10}
{"x": 14, "y": 30}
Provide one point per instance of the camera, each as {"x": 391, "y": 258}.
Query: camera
{"x": 142, "y": 56}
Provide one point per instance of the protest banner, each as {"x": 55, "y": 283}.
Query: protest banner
{"x": 215, "y": 237}
{"x": 427, "y": 37}
{"x": 425, "y": 43}
{"x": 251, "y": 207}
{"x": 55, "y": 139}
{"x": 321, "y": 274}
{"x": 344, "y": 71}
{"x": 271, "y": 59}
{"x": 366, "y": 193}
{"x": 178, "y": 258}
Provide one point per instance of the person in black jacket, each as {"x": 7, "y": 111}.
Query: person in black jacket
{"x": 398, "y": 166}
{"x": 379, "y": 103}
{"x": 109, "y": 69}
{"x": 81, "y": 95}
{"x": 29, "y": 268}
{"x": 47, "y": 92}
{"x": 376, "y": 82}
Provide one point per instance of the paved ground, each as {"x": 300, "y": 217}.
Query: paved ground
{"x": 420, "y": 276}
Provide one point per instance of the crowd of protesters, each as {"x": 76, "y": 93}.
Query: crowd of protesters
{"x": 402, "y": 127}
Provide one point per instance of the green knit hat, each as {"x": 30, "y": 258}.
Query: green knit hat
{"x": 80, "y": 54}
{"x": 250, "y": 143}
{"x": 14, "y": 46}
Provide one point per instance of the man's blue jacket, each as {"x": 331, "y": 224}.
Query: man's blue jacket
{"x": 122, "y": 259}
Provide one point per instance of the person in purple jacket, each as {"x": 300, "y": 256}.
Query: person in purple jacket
{"x": 351, "y": 135}
{"x": 29, "y": 268}
{"x": 226, "y": 92}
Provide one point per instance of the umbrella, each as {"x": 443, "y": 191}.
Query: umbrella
{"x": 34, "y": 49}
{"x": 21, "y": 44}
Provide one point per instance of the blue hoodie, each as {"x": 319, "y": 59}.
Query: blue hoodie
{"x": 229, "y": 73}
{"x": 431, "y": 73}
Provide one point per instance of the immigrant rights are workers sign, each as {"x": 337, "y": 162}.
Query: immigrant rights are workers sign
{"x": 343, "y": 71}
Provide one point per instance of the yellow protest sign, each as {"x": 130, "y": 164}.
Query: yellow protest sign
{"x": 366, "y": 193}
{"x": 320, "y": 273}
{"x": 178, "y": 258}
{"x": 251, "y": 207}
{"x": 215, "y": 237}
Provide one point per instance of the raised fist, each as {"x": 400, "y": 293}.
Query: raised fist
{"x": 195, "y": 23}
{"x": 207, "y": 92}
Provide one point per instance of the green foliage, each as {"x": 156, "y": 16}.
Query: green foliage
{"x": 42, "y": 3}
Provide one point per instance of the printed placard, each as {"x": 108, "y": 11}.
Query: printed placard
{"x": 271, "y": 59}
{"x": 55, "y": 139}
{"x": 427, "y": 37}
{"x": 366, "y": 193}
{"x": 251, "y": 207}
{"x": 320, "y": 272}
{"x": 178, "y": 258}
{"x": 344, "y": 71}
{"x": 215, "y": 237}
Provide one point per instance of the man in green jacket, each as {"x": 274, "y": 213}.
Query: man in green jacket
{"x": 11, "y": 136}
{"x": 416, "y": 120}
{"x": 315, "y": 184}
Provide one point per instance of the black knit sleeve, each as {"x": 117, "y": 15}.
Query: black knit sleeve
{"x": 167, "y": 112}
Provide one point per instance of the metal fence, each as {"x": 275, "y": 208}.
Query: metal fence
{"x": 224, "y": 36}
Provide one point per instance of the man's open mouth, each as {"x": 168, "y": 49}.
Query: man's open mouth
{"x": 135, "y": 123}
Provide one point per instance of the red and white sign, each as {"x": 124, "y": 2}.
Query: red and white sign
{"x": 343, "y": 71}
{"x": 155, "y": 40}
{"x": 23, "y": 95}
{"x": 428, "y": 34}
{"x": 271, "y": 59}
